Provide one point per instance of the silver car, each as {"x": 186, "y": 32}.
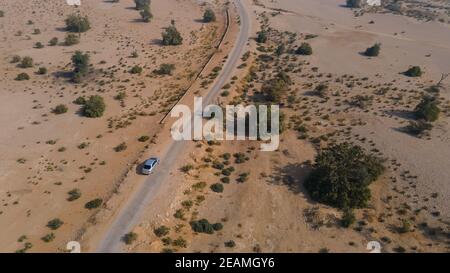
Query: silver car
{"x": 149, "y": 165}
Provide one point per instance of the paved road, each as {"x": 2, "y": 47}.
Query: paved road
{"x": 129, "y": 216}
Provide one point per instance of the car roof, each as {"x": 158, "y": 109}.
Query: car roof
{"x": 151, "y": 161}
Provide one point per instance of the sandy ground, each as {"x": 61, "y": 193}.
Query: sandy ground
{"x": 35, "y": 192}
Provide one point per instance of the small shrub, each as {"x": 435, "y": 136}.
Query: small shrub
{"x": 129, "y": 238}
{"x": 38, "y": 45}
{"x": 140, "y": 4}
{"x": 2, "y": 13}
{"x": 77, "y": 23}
{"x": 53, "y": 41}
{"x": 48, "y": 238}
{"x": 80, "y": 101}
{"x": 26, "y": 62}
{"x": 146, "y": 14}
{"x": 414, "y": 71}
{"x": 230, "y": 243}
{"x": 262, "y": 37}
{"x": 71, "y": 39}
{"x": 217, "y": 187}
{"x": 165, "y": 69}
{"x": 304, "y": 49}
{"x": 348, "y": 218}
{"x": 180, "y": 242}
{"x": 54, "y": 224}
{"x": 373, "y": 51}
{"x": 427, "y": 109}
{"x": 15, "y": 59}
{"x": 418, "y": 127}
{"x": 22, "y": 77}
{"x": 42, "y": 71}
{"x": 93, "y": 204}
{"x": 209, "y": 16}
{"x": 60, "y": 109}
{"x": 161, "y": 231}
{"x": 136, "y": 69}
{"x": 121, "y": 147}
{"x": 143, "y": 138}
{"x": 94, "y": 107}
{"x": 73, "y": 195}
{"x": 217, "y": 226}
{"x": 202, "y": 226}
{"x": 186, "y": 168}
{"x": 171, "y": 36}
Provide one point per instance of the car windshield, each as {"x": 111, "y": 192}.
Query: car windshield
{"x": 147, "y": 167}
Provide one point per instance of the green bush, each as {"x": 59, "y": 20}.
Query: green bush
{"x": 15, "y": 59}
{"x": 165, "y": 69}
{"x": 161, "y": 231}
{"x": 121, "y": 147}
{"x": 261, "y": 37}
{"x": 71, "y": 39}
{"x": 73, "y": 195}
{"x": 94, "y": 107}
{"x": 26, "y": 62}
{"x": 341, "y": 176}
{"x": 53, "y": 41}
{"x": 217, "y": 187}
{"x": 42, "y": 71}
{"x": 146, "y": 14}
{"x": 414, "y": 71}
{"x": 93, "y": 204}
{"x": 304, "y": 49}
{"x": 427, "y": 109}
{"x": 230, "y": 243}
{"x": 202, "y": 226}
{"x": 54, "y": 224}
{"x": 77, "y": 23}
{"x": 418, "y": 127}
{"x": 217, "y": 226}
{"x": 348, "y": 218}
{"x": 373, "y": 51}
{"x": 22, "y": 77}
{"x": 80, "y": 100}
{"x": 136, "y": 69}
{"x": 129, "y": 238}
{"x": 38, "y": 45}
{"x": 80, "y": 64}
{"x": 209, "y": 16}
{"x": 354, "y": 3}
{"x": 140, "y": 4}
{"x": 48, "y": 238}
{"x": 171, "y": 36}
{"x": 60, "y": 109}
{"x": 143, "y": 138}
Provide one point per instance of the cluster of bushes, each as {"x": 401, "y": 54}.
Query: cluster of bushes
{"x": 22, "y": 77}
{"x": 276, "y": 87}
{"x": 77, "y": 23}
{"x": 71, "y": 39}
{"x": 203, "y": 226}
{"x": 341, "y": 176}
{"x": 171, "y": 36}
{"x": 426, "y": 111}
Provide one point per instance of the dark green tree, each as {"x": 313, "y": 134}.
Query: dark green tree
{"x": 171, "y": 36}
{"x": 209, "y": 16}
{"x": 77, "y": 23}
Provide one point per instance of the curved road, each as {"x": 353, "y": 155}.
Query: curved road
{"x": 130, "y": 214}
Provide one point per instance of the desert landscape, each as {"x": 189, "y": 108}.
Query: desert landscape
{"x": 86, "y": 98}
